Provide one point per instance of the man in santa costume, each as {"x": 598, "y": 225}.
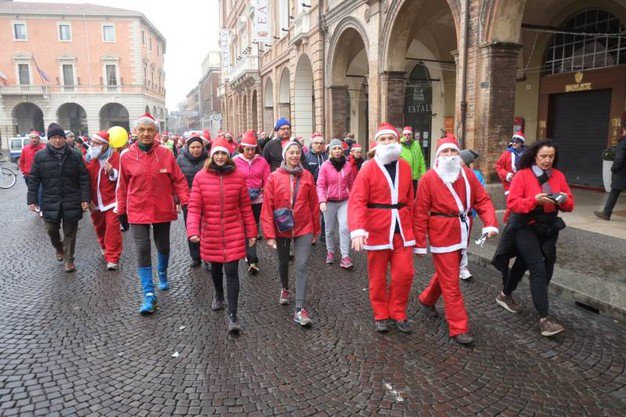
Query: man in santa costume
{"x": 445, "y": 196}
{"x": 508, "y": 163}
{"x": 381, "y": 213}
{"x": 103, "y": 167}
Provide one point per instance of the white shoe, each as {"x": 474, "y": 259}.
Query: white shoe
{"x": 111, "y": 266}
{"x": 465, "y": 274}
{"x": 102, "y": 251}
{"x": 40, "y": 213}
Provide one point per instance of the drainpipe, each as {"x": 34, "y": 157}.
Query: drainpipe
{"x": 322, "y": 32}
{"x": 464, "y": 85}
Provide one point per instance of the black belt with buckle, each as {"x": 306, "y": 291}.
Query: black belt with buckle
{"x": 463, "y": 216}
{"x": 386, "y": 206}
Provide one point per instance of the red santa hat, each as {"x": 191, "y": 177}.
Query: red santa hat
{"x": 166, "y": 133}
{"x": 407, "y": 130}
{"x": 317, "y": 135}
{"x": 356, "y": 146}
{"x": 519, "y": 135}
{"x": 102, "y": 136}
{"x": 447, "y": 142}
{"x": 206, "y": 134}
{"x": 249, "y": 140}
{"x": 33, "y": 132}
{"x": 146, "y": 118}
{"x": 386, "y": 129}
{"x": 220, "y": 144}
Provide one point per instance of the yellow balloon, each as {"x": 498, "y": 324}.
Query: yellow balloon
{"x": 118, "y": 136}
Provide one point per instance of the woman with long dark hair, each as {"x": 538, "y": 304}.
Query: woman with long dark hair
{"x": 537, "y": 193}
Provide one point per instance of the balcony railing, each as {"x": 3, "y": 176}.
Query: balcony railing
{"x": 28, "y": 90}
{"x": 301, "y": 26}
{"x": 78, "y": 89}
{"x": 248, "y": 63}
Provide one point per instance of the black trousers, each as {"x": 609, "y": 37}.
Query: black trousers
{"x": 141, "y": 236}
{"x": 611, "y": 201}
{"x": 231, "y": 269}
{"x": 530, "y": 244}
{"x": 68, "y": 243}
{"x": 194, "y": 248}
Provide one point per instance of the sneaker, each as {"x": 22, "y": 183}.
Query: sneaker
{"x": 284, "y": 297}
{"x": 233, "y": 325}
{"x": 463, "y": 339}
{"x": 253, "y": 269}
{"x": 330, "y": 258}
{"x": 429, "y": 311}
{"x": 508, "y": 302}
{"x": 465, "y": 274}
{"x": 404, "y": 326}
{"x": 206, "y": 266}
{"x": 381, "y": 326}
{"x": 549, "y": 328}
{"x": 69, "y": 267}
{"x": 149, "y": 304}
{"x": 194, "y": 263}
{"x": 346, "y": 263}
{"x": 59, "y": 255}
{"x": 111, "y": 266}
{"x": 41, "y": 214}
{"x": 217, "y": 303}
{"x": 302, "y": 318}
{"x": 601, "y": 215}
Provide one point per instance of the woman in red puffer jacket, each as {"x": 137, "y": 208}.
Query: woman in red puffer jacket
{"x": 220, "y": 218}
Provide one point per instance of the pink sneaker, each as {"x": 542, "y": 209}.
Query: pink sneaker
{"x": 284, "y": 297}
{"x": 346, "y": 263}
{"x": 330, "y": 258}
{"x": 302, "y": 318}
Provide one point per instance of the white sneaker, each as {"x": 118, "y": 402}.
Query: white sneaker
{"x": 111, "y": 266}
{"x": 40, "y": 213}
{"x": 465, "y": 274}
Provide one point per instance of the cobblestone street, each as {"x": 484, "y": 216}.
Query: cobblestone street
{"x": 74, "y": 344}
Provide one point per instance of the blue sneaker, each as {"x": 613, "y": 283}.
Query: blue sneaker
{"x": 149, "y": 304}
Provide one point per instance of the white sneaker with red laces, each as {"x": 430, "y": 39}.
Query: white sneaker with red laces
{"x": 302, "y": 318}
{"x": 284, "y": 297}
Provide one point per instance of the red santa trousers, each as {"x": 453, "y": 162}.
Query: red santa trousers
{"x": 107, "y": 227}
{"x": 390, "y": 302}
{"x": 446, "y": 281}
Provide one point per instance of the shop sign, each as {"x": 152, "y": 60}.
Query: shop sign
{"x": 579, "y": 86}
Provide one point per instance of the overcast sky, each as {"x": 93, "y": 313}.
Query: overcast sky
{"x": 191, "y": 28}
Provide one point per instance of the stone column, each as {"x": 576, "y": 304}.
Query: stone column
{"x": 393, "y": 86}
{"x": 495, "y": 102}
{"x": 338, "y": 95}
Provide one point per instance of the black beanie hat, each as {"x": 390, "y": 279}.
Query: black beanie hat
{"x": 194, "y": 139}
{"x": 55, "y": 130}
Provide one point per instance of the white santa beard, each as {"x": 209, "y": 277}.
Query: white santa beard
{"x": 448, "y": 168}
{"x": 388, "y": 153}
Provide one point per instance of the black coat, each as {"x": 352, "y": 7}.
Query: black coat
{"x": 65, "y": 184}
{"x": 190, "y": 165}
{"x": 618, "y": 179}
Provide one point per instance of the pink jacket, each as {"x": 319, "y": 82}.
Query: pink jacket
{"x": 255, "y": 172}
{"x": 333, "y": 185}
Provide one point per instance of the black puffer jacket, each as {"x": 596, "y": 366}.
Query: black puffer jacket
{"x": 65, "y": 184}
{"x": 189, "y": 164}
{"x": 619, "y": 166}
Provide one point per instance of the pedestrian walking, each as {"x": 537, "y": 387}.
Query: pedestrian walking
{"x": 103, "y": 168}
{"x": 618, "y": 176}
{"x": 65, "y": 192}
{"x": 445, "y": 197}
{"x": 191, "y": 160}
{"x": 508, "y": 163}
{"x": 380, "y": 221}
{"x": 537, "y": 194}
{"x": 148, "y": 181}
{"x": 412, "y": 153}
{"x": 221, "y": 220}
{"x": 336, "y": 178}
{"x": 356, "y": 157}
{"x": 27, "y": 158}
{"x": 291, "y": 212}
{"x": 273, "y": 151}
{"x": 316, "y": 156}
{"x": 256, "y": 172}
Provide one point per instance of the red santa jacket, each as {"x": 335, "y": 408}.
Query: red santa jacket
{"x": 103, "y": 185}
{"x": 505, "y": 167}
{"x": 220, "y": 212}
{"x": 373, "y": 186}
{"x": 278, "y": 194}
{"x": 28, "y": 156}
{"x": 437, "y": 211}
{"x": 525, "y": 186}
{"x": 147, "y": 184}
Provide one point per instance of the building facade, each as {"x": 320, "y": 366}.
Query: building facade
{"x": 209, "y": 104}
{"x": 478, "y": 68}
{"x": 85, "y": 66}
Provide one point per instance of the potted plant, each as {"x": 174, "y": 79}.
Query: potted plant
{"x": 608, "y": 156}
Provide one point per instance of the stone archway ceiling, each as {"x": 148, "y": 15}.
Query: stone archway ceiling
{"x": 350, "y": 57}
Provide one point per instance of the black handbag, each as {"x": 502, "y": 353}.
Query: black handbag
{"x": 283, "y": 217}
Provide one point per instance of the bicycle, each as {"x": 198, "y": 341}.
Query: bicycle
{"x": 8, "y": 178}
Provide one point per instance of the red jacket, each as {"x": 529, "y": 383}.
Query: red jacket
{"x": 147, "y": 184}
{"x": 278, "y": 194}
{"x": 220, "y": 213}
{"x": 505, "y": 167}
{"x": 525, "y": 187}
{"x": 435, "y": 202}
{"x": 373, "y": 185}
{"x": 103, "y": 185}
{"x": 28, "y": 156}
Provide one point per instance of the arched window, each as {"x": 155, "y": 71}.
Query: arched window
{"x": 598, "y": 45}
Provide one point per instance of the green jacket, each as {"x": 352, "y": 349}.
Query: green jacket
{"x": 413, "y": 155}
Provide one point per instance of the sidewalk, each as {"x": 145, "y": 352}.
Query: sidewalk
{"x": 590, "y": 268}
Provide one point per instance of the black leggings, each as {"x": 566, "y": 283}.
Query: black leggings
{"x": 530, "y": 245}
{"x": 231, "y": 269}
{"x": 141, "y": 236}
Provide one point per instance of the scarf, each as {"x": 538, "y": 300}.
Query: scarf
{"x": 60, "y": 154}
{"x": 194, "y": 159}
{"x": 338, "y": 163}
{"x": 145, "y": 148}
{"x": 297, "y": 171}
{"x": 225, "y": 169}
{"x": 543, "y": 177}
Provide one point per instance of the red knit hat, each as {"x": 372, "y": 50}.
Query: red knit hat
{"x": 249, "y": 140}
{"x": 317, "y": 135}
{"x": 220, "y": 144}
{"x": 101, "y": 136}
{"x": 386, "y": 129}
{"x": 407, "y": 130}
{"x": 447, "y": 142}
{"x": 519, "y": 135}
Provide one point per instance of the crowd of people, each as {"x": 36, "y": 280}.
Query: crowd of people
{"x": 234, "y": 192}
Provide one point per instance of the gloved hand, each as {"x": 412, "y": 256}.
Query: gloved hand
{"x": 123, "y": 218}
